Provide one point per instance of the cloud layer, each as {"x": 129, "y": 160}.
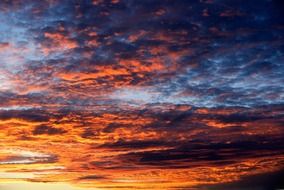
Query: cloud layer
{"x": 141, "y": 94}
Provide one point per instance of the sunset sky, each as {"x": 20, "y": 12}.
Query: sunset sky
{"x": 141, "y": 94}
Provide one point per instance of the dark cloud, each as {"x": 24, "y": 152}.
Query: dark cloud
{"x": 267, "y": 181}
{"x": 195, "y": 153}
{"x": 121, "y": 144}
{"x": 92, "y": 177}
{"x": 48, "y": 130}
{"x": 33, "y": 115}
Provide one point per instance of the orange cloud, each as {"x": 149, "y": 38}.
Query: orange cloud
{"x": 59, "y": 42}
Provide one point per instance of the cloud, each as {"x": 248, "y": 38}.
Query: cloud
{"x": 44, "y": 129}
{"x": 140, "y": 94}
{"x": 26, "y": 157}
{"x": 92, "y": 177}
{"x": 267, "y": 181}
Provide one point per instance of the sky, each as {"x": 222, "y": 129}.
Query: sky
{"x": 150, "y": 94}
